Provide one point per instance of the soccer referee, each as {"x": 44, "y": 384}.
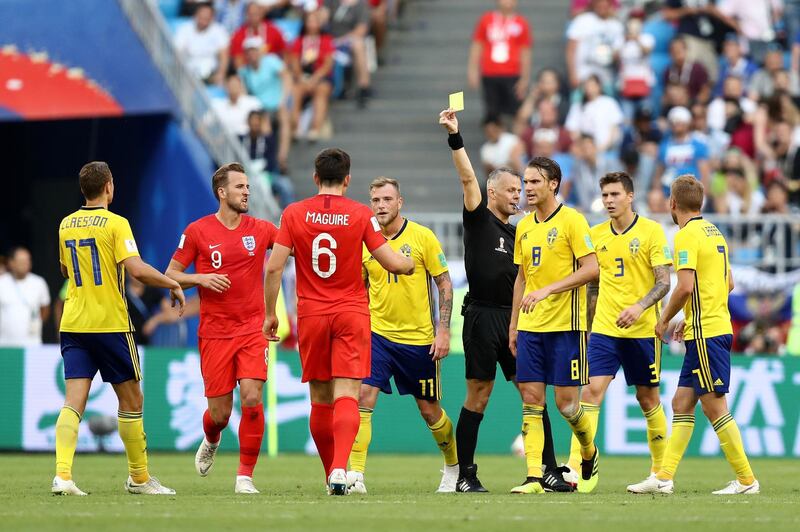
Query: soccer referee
{"x": 490, "y": 268}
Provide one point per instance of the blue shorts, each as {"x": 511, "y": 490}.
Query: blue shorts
{"x": 640, "y": 358}
{"x": 707, "y": 364}
{"x": 411, "y": 366}
{"x": 557, "y": 358}
{"x": 114, "y": 355}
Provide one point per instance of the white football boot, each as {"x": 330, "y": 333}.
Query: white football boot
{"x": 735, "y": 487}
{"x": 204, "y": 458}
{"x": 337, "y": 482}
{"x": 652, "y": 485}
{"x": 449, "y": 479}
{"x": 65, "y": 487}
{"x": 244, "y": 485}
{"x": 355, "y": 483}
{"x": 151, "y": 487}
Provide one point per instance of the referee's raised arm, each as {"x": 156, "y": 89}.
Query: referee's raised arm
{"x": 469, "y": 181}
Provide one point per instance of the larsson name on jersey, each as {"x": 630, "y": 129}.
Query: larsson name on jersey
{"x": 327, "y": 218}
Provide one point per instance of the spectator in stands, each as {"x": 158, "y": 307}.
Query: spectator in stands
{"x": 379, "y": 23}
{"x": 778, "y": 199}
{"x": 545, "y": 144}
{"x": 261, "y": 144}
{"x": 234, "y": 109}
{"x": 274, "y": 9}
{"x": 780, "y": 160}
{"x": 772, "y": 76}
{"x": 639, "y": 148}
{"x": 702, "y": 27}
{"x": 776, "y": 109}
{"x": 733, "y": 89}
{"x": 500, "y": 58}
{"x": 24, "y": 301}
{"x": 547, "y": 88}
{"x": 636, "y": 77}
{"x": 230, "y": 14}
{"x": 753, "y": 21}
{"x": 501, "y": 147}
{"x": 547, "y": 114}
{"x": 717, "y": 140}
{"x": 740, "y": 198}
{"x": 734, "y": 63}
{"x": 203, "y": 43}
{"x": 268, "y": 79}
{"x": 576, "y": 7}
{"x": 680, "y": 153}
{"x": 256, "y": 26}
{"x": 594, "y": 39}
{"x": 675, "y": 95}
{"x": 583, "y": 187}
{"x": 686, "y": 72}
{"x": 311, "y": 66}
{"x": 597, "y": 115}
{"x": 348, "y": 23}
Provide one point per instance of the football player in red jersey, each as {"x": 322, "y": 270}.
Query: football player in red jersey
{"x": 326, "y": 233}
{"x": 228, "y": 249}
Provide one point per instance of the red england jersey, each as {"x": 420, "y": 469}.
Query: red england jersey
{"x": 239, "y": 253}
{"x": 274, "y": 42}
{"x": 326, "y": 232}
{"x": 503, "y": 40}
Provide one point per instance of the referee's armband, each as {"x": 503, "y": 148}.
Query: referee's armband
{"x": 455, "y": 141}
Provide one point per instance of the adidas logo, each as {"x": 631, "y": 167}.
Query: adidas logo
{"x": 718, "y": 382}
{"x": 603, "y": 249}
{"x": 658, "y": 438}
{"x": 444, "y": 444}
{"x": 463, "y": 485}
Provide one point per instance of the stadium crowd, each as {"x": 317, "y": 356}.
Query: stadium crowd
{"x": 272, "y": 67}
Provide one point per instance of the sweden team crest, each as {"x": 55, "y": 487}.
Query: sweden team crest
{"x": 405, "y": 249}
{"x": 551, "y": 236}
{"x": 634, "y": 246}
{"x": 249, "y": 242}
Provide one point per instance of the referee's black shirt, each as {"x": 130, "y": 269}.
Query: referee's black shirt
{"x": 489, "y": 257}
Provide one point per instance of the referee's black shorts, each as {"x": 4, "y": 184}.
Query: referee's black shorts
{"x": 485, "y": 337}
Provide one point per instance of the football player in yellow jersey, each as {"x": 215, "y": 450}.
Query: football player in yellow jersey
{"x": 547, "y": 334}
{"x": 704, "y": 280}
{"x": 634, "y": 261}
{"x": 404, "y": 343}
{"x": 96, "y": 246}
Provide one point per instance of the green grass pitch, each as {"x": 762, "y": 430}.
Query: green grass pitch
{"x": 401, "y": 498}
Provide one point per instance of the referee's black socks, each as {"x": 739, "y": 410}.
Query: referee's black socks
{"x": 467, "y": 437}
{"x": 548, "y": 452}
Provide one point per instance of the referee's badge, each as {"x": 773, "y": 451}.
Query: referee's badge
{"x": 634, "y": 246}
{"x": 249, "y": 242}
{"x": 501, "y": 247}
{"x": 551, "y": 237}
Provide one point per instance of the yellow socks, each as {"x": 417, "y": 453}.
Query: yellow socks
{"x": 593, "y": 413}
{"x": 656, "y": 435}
{"x": 358, "y": 455}
{"x": 581, "y": 425}
{"x": 730, "y": 440}
{"x": 533, "y": 437}
{"x": 682, "y": 427}
{"x": 66, "y": 441}
{"x": 442, "y": 432}
{"x": 131, "y": 432}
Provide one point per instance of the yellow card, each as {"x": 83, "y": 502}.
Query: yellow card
{"x": 457, "y": 101}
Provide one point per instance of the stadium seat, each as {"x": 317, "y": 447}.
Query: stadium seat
{"x": 169, "y": 8}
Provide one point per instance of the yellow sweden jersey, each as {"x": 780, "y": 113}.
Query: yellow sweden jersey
{"x": 700, "y": 246}
{"x": 626, "y": 263}
{"x": 93, "y": 242}
{"x": 400, "y": 306}
{"x": 548, "y": 251}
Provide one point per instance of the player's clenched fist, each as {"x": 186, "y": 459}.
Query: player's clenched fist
{"x": 218, "y": 282}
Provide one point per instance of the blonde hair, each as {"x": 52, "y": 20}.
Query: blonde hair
{"x": 382, "y": 181}
{"x": 688, "y": 193}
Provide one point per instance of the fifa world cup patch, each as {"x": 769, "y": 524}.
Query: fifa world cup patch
{"x": 588, "y": 242}
{"x": 130, "y": 245}
{"x": 442, "y": 260}
{"x": 683, "y": 258}
{"x": 182, "y": 241}
{"x": 667, "y": 253}
{"x": 375, "y": 225}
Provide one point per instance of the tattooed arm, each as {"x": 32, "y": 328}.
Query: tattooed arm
{"x": 441, "y": 344}
{"x": 592, "y": 290}
{"x": 629, "y": 316}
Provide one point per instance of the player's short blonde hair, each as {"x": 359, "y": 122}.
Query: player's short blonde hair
{"x": 688, "y": 193}
{"x": 382, "y": 181}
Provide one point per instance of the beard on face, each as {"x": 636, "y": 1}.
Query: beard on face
{"x": 237, "y": 206}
